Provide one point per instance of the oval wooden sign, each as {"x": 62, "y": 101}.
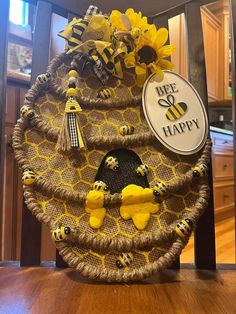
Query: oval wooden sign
{"x": 175, "y": 113}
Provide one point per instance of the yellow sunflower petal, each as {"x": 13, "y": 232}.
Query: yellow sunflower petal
{"x": 155, "y": 68}
{"x": 129, "y": 12}
{"x": 137, "y": 20}
{"x": 130, "y": 60}
{"x": 165, "y": 64}
{"x": 141, "y": 73}
{"x": 166, "y": 51}
{"x": 116, "y": 21}
{"x": 150, "y": 34}
{"x": 160, "y": 38}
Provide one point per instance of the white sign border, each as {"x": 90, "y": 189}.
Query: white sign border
{"x": 191, "y": 152}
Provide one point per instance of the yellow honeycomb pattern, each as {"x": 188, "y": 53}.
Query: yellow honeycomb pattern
{"x": 79, "y": 173}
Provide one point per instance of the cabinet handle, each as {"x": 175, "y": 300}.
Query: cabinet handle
{"x": 226, "y": 142}
{"x": 226, "y": 165}
{"x": 226, "y": 196}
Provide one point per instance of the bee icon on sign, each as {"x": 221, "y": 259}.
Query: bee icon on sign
{"x": 175, "y": 110}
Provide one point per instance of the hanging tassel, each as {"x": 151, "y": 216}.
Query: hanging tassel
{"x": 71, "y": 136}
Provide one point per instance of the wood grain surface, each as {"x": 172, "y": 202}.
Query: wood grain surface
{"x": 225, "y": 243}
{"x": 48, "y": 290}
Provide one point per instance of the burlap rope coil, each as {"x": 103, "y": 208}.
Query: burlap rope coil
{"x": 95, "y": 241}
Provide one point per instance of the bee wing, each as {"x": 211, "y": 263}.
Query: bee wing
{"x": 171, "y": 99}
{"x": 163, "y": 103}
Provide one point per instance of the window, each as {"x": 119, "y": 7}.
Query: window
{"x": 19, "y": 12}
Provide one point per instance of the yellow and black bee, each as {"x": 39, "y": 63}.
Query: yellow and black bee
{"x": 100, "y": 186}
{"x": 184, "y": 227}
{"x": 61, "y": 233}
{"x": 126, "y": 130}
{"x": 105, "y": 93}
{"x": 200, "y": 170}
{"x": 112, "y": 163}
{"x": 176, "y": 110}
{"x": 28, "y": 177}
{"x": 142, "y": 170}
{"x": 160, "y": 189}
{"x": 27, "y": 112}
{"x": 124, "y": 260}
{"x": 43, "y": 78}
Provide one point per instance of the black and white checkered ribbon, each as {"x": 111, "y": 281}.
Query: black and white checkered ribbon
{"x": 92, "y": 10}
{"x": 73, "y": 130}
{"x": 100, "y": 71}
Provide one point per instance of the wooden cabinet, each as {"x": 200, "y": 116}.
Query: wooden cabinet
{"x": 220, "y": 9}
{"x": 212, "y": 33}
{"x": 223, "y": 174}
{"x": 12, "y": 194}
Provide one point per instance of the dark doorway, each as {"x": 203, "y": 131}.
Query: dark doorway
{"x": 125, "y": 175}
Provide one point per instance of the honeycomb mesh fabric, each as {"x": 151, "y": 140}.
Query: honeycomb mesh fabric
{"x": 77, "y": 172}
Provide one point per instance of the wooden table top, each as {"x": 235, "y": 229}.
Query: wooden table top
{"x": 49, "y": 290}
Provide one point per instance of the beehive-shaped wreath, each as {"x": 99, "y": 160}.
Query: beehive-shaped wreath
{"x": 120, "y": 205}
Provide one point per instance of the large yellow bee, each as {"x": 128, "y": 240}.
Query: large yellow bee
{"x": 124, "y": 260}
{"x": 100, "y": 186}
{"x": 184, "y": 227}
{"x": 126, "y": 130}
{"x": 160, "y": 189}
{"x": 200, "y": 170}
{"x": 61, "y": 233}
{"x": 43, "y": 78}
{"x": 142, "y": 170}
{"x": 28, "y": 177}
{"x": 105, "y": 93}
{"x": 176, "y": 110}
{"x": 27, "y": 112}
{"x": 112, "y": 163}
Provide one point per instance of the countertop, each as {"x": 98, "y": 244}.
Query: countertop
{"x": 218, "y": 130}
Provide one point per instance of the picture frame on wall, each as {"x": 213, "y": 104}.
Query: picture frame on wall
{"x": 19, "y": 62}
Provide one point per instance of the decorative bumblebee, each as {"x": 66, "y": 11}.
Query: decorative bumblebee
{"x": 200, "y": 170}
{"x": 27, "y": 112}
{"x": 28, "y": 177}
{"x": 126, "y": 130}
{"x": 100, "y": 186}
{"x": 160, "y": 189}
{"x": 142, "y": 170}
{"x": 184, "y": 227}
{"x": 176, "y": 110}
{"x": 61, "y": 233}
{"x": 43, "y": 78}
{"x": 112, "y": 163}
{"x": 124, "y": 260}
{"x": 105, "y": 93}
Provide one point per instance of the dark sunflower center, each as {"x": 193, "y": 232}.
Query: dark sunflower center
{"x": 147, "y": 54}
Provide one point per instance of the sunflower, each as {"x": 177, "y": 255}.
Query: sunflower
{"x": 149, "y": 54}
{"x": 130, "y": 21}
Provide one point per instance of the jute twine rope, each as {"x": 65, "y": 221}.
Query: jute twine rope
{"x": 141, "y": 240}
{"x": 95, "y": 241}
{"x": 110, "y": 275}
